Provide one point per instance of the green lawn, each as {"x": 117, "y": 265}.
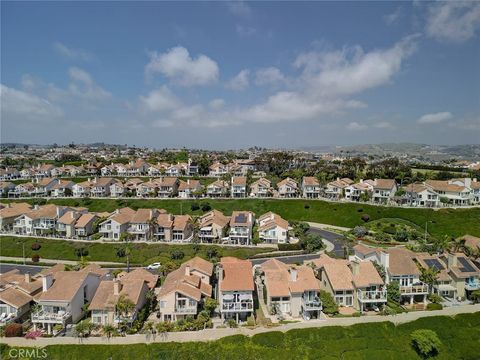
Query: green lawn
{"x": 142, "y": 253}
{"x": 460, "y": 337}
{"x": 456, "y": 222}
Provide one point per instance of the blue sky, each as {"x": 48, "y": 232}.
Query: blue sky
{"x": 231, "y": 75}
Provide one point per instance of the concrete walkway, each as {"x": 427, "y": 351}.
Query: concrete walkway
{"x": 214, "y": 334}
{"x": 327, "y": 226}
{"x": 50, "y": 261}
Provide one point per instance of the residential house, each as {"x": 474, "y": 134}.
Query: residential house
{"x": 192, "y": 168}
{"x": 44, "y": 170}
{"x": 10, "y": 212}
{"x": 41, "y": 220}
{"x": 287, "y": 188}
{"x": 25, "y": 189}
{"x": 235, "y": 289}
{"x": 421, "y": 195}
{"x": 84, "y": 226}
{"x": 9, "y": 174}
{"x": 218, "y": 188}
{"x": 464, "y": 273}
{"x": 143, "y": 223}
{"x": 5, "y": 188}
{"x": 17, "y": 292}
{"x": 43, "y": 186}
{"x": 184, "y": 290}
{"x": 62, "y": 188}
{"x": 117, "y": 189}
{"x": 241, "y": 227}
{"x": 189, "y": 189}
{"x": 164, "y": 227}
{"x": 311, "y": 187}
{"x": 63, "y": 296}
{"x": 335, "y": 190}
{"x": 82, "y": 189}
{"x": 383, "y": 190}
{"x": 116, "y": 224}
{"x": 100, "y": 187}
{"x": 239, "y": 187}
{"x": 66, "y": 223}
{"x": 217, "y": 170}
{"x": 454, "y": 192}
{"x": 213, "y": 226}
{"x": 167, "y": 186}
{"x": 182, "y": 228}
{"x": 353, "y": 283}
{"x": 272, "y": 228}
{"x": 358, "y": 191}
{"x": 291, "y": 290}
{"x": 261, "y": 188}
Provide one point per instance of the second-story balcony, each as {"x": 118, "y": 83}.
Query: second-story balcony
{"x": 238, "y": 232}
{"x": 420, "y": 289}
{"x": 43, "y": 316}
{"x": 372, "y": 295}
{"x": 185, "y": 309}
{"x": 311, "y": 303}
{"x": 472, "y": 285}
{"x": 237, "y": 306}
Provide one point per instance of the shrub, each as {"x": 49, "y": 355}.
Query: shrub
{"x": 360, "y": 231}
{"x": 35, "y": 258}
{"x": 232, "y": 323}
{"x": 177, "y": 255}
{"x": 330, "y": 307}
{"x": 81, "y": 252}
{"x": 434, "y": 306}
{"x": 306, "y": 206}
{"x": 194, "y": 207}
{"x": 32, "y": 335}
{"x": 425, "y": 342}
{"x": 206, "y": 207}
{"x": 96, "y": 236}
{"x": 273, "y": 339}
{"x": 289, "y": 247}
{"x": 13, "y": 330}
{"x": 36, "y": 246}
{"x": 434, "y": 298}
{"x": 360, "y": 210}
{"x": 365, "y": 217}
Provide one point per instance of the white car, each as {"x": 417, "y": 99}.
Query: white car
{"x": 154, "y": 266}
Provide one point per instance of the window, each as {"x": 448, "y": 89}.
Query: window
{"x": 163, "y": 304}
{"x": 275, "y": 299}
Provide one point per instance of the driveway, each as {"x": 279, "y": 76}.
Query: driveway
{"x": 337, "y": 240}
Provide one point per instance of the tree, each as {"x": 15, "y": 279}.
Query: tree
{"x": 210, "y": 305}
{"x": 425, "y": 342}
{"x": 127, "y": 248}
{"x": 83, "y": 328}
{"x": 475, "y": 296}
{"x": 167, "y": 267}
{"x": 124, "y": 306}
{"x": 108, "y": 330}
{"x": 393, "y": 291}
{"x": 312, "y": 243}
{"x": 429, "y": 276}
{"x": 328, "y": 302}
{"x": 177, "y": 255}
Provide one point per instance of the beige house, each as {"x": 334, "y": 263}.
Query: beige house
{"x": 383, "y": 190}
{"x": 188, "y": 189}
{"x": 241, "y": 227}
{"x": 311, "y": 187}
{"x": 9, "y": 212}
{"x": 291, "y": 290}
{"x": 272, "y": 228}
{"x": 218, "y": 188}
{"x": 213, "y": 226}
{"x": 117, "y": 223}
{"x": 261, "y": 188}
{"x": 239, "y": 187}
{"x": 336, "y": 189}
{"x": 184, "y": 289}
{"x": 287, "y": 188}
{"x": 235, "y": 289}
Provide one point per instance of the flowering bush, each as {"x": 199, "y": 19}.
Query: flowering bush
{"x": 33, "y": 335}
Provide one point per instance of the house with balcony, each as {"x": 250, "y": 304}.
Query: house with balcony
{"x": 44, "y": 170}
{"x": 44, "y": 186}
{"x": 213, "y": 226}
{"x": 182, "y": 230}
{"x": 108, "y": 170}
{"x": 291, "y": 290}
{"x": 5, "y": 188}
{"x": 167, "y": 186}
{"x": 184, "y": 290}
{"x": 116, "y": 224}
{"x": 62, "y": 188}
{"x": 117, "y": 189}
{"x": 358, "y": 191}
{"x": 164, "y": 227}
{"x": 143, "y": 223}
{"x": 241, "y": 227}
{"x": 444, "y": 285}
{"x": 157, "y": 169}
{"x": 100, "y": 187}
{"x": 311, "y": 187}
{"x": 454, "y": 191}
{"x": 17, "y": 292}
{"x": 464, "y": 273}
{"x": 147, "y": 189}
{"x": 238, "y": 187}
{"x": 287, "y": 188}
{"x": 189, "y": 189}
{"x": 272, "y": 228}
{"x": 475, "y": 186}
{"x": 354, "y": 283}
{"x": 84, "y": 226}
{"x": 10, "y": 212}
{"x": 66, "y": 223}
{"x": 335, "y": 190}
{"x": 421, "y": 195}
{"x": 41, "y": 220}
{"x": 82, "y": 189}
{"x": 63, "y": 296}
{"x": 176, "y": 170}
{"x": 383, "y": 190}
{"x": 25, "y": 189}
{"x": 8, "y": 174}
{"x": 218, "y": 188}
{"x": 261, "y": 188}
{"x": 235, "y": 289}
{"x": 217, "y": 170}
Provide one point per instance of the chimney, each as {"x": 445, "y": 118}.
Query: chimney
{"x": 116, "y": 287}
{"x": 187, "y": 270}
{"x": 88, "y": 179}
{"x": 355, "y": 268}
{"x": 47, "y": 281}
{"x": 220, "y": 273}
{"x": 293, "y": 274}
{"x": 36, "y": 207}
{"x": 452, "y": 260}
{"x": 338, "y": 179}
{"x": 28, "y": 278}
{"x": 361, "y": 181}
{"x": 385, "y": 259}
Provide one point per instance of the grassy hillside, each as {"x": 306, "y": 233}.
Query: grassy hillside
{"x": 141, "y": 253}
{"x": 460, "y": 337}
{"x": 442, "y": 222}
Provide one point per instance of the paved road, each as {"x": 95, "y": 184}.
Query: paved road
{"x": 293, "y": 259}
{"x": 337, "y": 240}
{"x": 32, "y": 269}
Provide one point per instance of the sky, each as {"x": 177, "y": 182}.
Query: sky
{"x": 229, "y": 75}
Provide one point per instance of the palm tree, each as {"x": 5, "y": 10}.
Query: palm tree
{"x": 127, "y": 249}
{"x": 152, "y": 224}
{"x": 108, "y": 330}
{"x": 124, "y": 306}
{"x": 429, "y": 276}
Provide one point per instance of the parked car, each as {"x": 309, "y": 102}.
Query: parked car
{"x": 154, "y": 266}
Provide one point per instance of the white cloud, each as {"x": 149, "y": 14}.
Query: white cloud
{"x": 393, "y": 17}
{"x": 383, "y": 125}
{"x": 26, "y": 106}
{"x": 177, "y": 65}
{"x": 71, "y": 53}
{"x": 216, "y": 104}
{"x": 83, "y": 85}
{"x": 239, "y": 8}
{"x": 355, "y": 126}
{"x": 453, "y": 21}
{"x": 269, "y": 76}
{"x": 161, "y": 99}
{"x": 435, "y": 118}
{"x": 162, "y": 123}
{"x": 239, "y": 81}
{"x": 245, "y": 31}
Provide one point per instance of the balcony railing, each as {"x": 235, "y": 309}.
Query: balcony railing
{"x": 472, "y": 285}
{"x": 414, "y": 289}
{"x": 186, "y": 310}
{"x": 312, "y": 304}
{"x": 46, "y": 316}
{"x": 237, "y": 306}
{"x": 374, "y": 295}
